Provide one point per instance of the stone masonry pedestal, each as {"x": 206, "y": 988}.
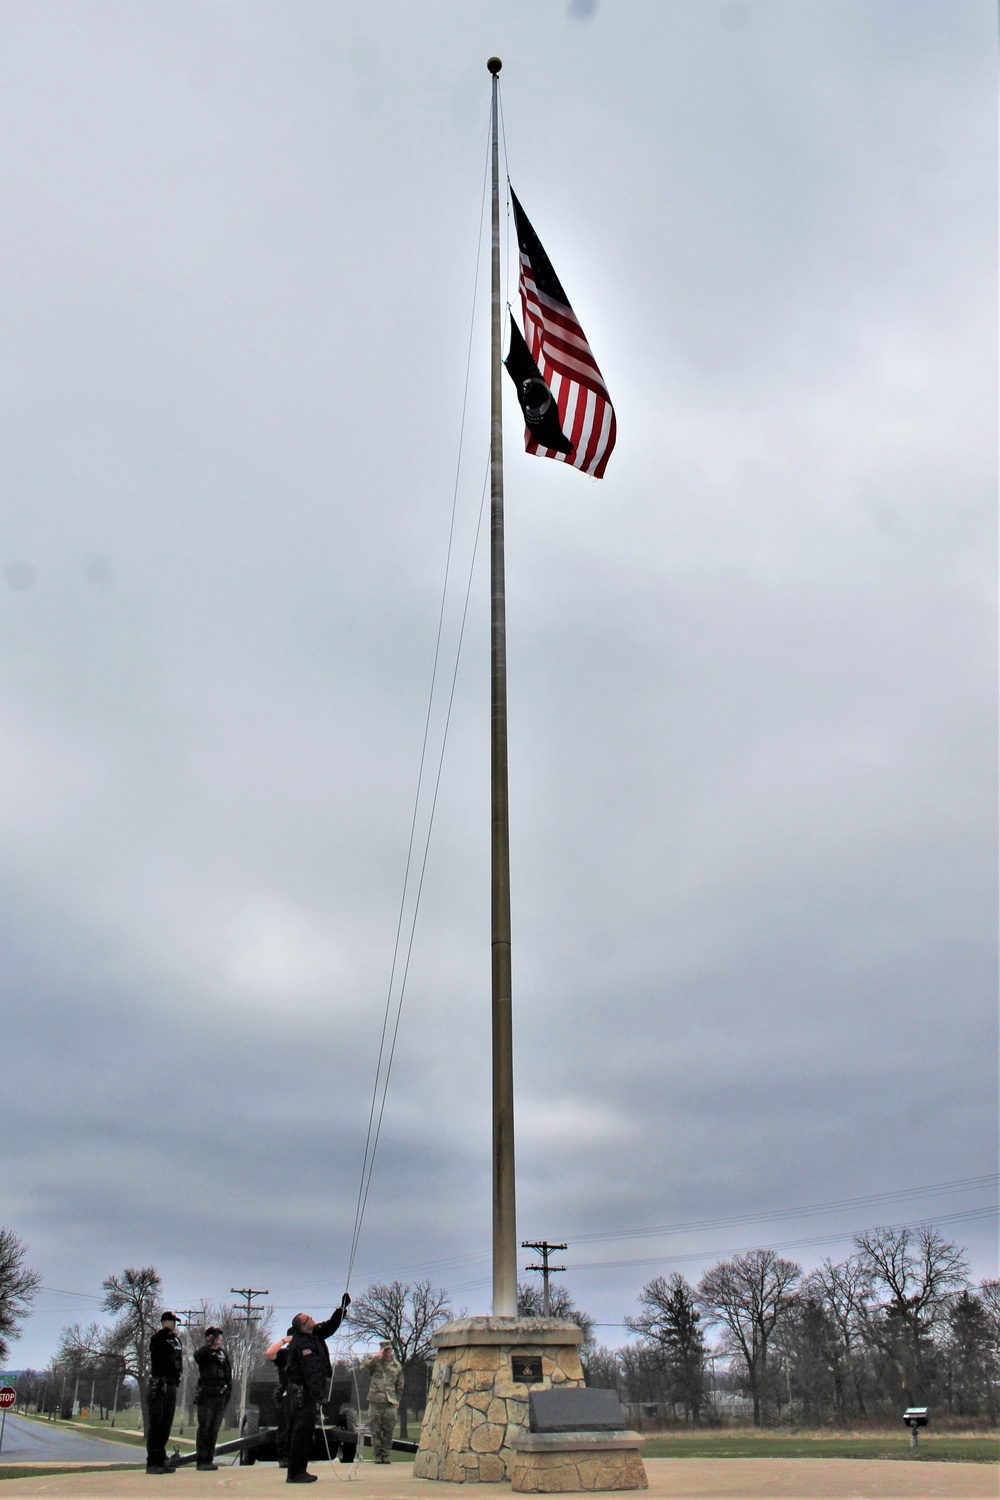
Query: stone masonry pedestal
{"x": 550, "y": 1463}
{"x": 475, "y": 1407}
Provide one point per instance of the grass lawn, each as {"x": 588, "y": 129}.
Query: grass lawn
{"x": 948, "y": 1448}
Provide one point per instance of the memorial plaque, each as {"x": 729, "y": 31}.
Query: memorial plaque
{"x": 575, "y": 1409}
{"x": 526, "y": 1369}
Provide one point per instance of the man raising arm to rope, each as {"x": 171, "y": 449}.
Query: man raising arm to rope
{"x": 308, "y": 1371}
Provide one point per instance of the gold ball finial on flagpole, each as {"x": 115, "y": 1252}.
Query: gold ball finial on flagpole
{"x": 494, "y": 64}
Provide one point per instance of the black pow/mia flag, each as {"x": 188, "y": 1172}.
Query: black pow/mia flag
{"x": 541, "y": 414}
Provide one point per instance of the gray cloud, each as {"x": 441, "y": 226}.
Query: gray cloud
{"x": 752, "y": 673}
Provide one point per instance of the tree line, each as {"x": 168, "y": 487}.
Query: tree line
{"x": 106, "y": 1366}
{"x": 897, "y": 1323}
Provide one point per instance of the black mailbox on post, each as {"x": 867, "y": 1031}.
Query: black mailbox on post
{"x": 915, "y": 1417}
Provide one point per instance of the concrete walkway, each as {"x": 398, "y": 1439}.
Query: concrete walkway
{"x": 669, "y": 1479}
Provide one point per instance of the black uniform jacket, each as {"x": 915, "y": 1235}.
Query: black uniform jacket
{"x": 307, "y": 1361}
{"x": 166, "y": 1359}
{"x": 215, "y": 1373}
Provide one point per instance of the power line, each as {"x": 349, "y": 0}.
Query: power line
{"x": 769, "y": 1215}
{"x": 892, "y": 1196}
{"x": 834, "y": 1237}
{"x": 447, "y": 1263}
{"x": 820, "y": 1239}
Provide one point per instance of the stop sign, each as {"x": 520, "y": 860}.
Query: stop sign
{"x": 8, "y": 1396}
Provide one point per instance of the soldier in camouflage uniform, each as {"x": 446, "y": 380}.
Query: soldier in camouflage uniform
{"x": 383, "y": 1399}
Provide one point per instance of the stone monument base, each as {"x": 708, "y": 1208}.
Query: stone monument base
{"x": 550, "y": 1463}
{"x": 478, "y": 1400}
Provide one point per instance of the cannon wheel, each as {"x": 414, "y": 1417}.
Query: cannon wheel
{"x": 249, "y": 1428}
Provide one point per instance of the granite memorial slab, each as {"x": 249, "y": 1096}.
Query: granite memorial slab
{"x": 583, "y": 1409}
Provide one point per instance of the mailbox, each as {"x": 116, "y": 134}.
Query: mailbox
{"x": 915, "y": 1417}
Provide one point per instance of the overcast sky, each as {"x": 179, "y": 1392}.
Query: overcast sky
{"x": 752, "y": 673}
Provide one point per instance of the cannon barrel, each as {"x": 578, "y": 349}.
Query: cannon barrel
{"x": 254, "y": 1439}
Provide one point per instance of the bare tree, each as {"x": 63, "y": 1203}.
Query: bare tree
{"x": 917, "y": 1271}
{"x": 748, "y": 1296}
{"x": 604, "y": 1369}
{"x": 134, "y": 1296}
{"x": 966, "y": 1352}
{"x": 989, "y": 1296}
{"x": 670, "y": 1322}
{"x": 18, "y": 1285}
{"x": 246, "y": 1348}
{"x": 407, "y": 1316}
{"x": 82, "y": 1351}
{"x": 642, "y": 1372}
{"x": 845, "y": 1290}
{"x": 561, "y": 1305}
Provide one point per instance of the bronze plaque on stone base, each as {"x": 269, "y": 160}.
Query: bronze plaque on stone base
{"x": 526, "y": 1369}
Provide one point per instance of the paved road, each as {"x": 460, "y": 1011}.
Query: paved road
{"x": 44, "y": 1442}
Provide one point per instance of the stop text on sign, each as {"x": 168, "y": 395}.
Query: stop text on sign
{"x": 8, "y": 1396}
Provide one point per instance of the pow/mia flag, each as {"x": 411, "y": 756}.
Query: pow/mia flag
{"x": 541, "y": 414}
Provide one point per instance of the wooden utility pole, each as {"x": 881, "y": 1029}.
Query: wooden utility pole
{"x": 249, "y": 1292}
{"x": 545, "y": 1250}
{"x": 186, "y": 1314}
{"x": 504, "y": 1214}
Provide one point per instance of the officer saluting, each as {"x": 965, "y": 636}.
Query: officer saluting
{"x": 278, "y": 1354}
{"x": 215, "y": 1386}
{"x": 383, "y": 1399}
{"x": 308, "y": 1371}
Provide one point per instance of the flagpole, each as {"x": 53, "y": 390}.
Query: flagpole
{"x": 504, "y": 1225}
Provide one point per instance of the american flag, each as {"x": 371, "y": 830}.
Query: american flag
{"x": 560, "y": 350}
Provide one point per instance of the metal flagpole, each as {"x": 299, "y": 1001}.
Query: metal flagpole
{"x": 504, "y": 1228}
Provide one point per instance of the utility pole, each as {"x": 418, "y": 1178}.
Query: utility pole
{"x": 186, "y": 1314}
{"x": 545, "y": 1250}
{"x": 249, "y": 1292}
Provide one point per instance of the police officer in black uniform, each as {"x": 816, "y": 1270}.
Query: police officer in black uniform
{"x": 166, "y": 1361}
{"x": 278, "y": 1354}
{"x": 215, "y": 1386}
{"x": 308, "y": 1371}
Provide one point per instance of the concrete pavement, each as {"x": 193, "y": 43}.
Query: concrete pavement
{"x": 669, "y": 1479}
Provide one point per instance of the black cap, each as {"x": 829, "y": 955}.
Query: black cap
{"x": 212, "y": 1333}
{"x": 165, "y": 1315}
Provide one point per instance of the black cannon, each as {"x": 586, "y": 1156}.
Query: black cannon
{"x": 336, "y": 1434}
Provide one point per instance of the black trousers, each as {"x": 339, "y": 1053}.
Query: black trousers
{"x": 281, "y": 1415}
{"x": 211, "y": 1409}
{"x": 162, "y": 1399}
{"x": 303, "y": 1411}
